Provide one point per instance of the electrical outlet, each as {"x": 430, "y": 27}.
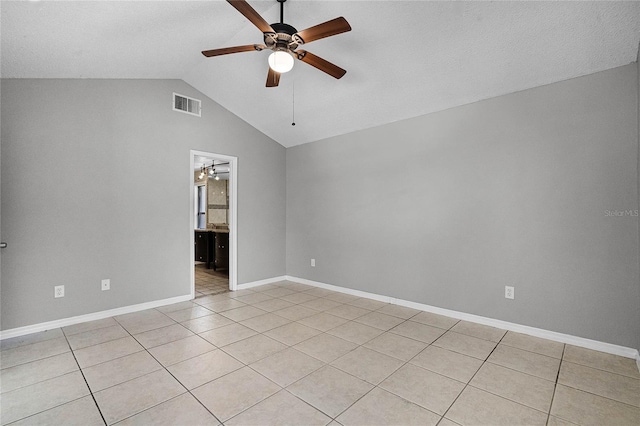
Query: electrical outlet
{"x": 509, "y": 292}
{"x": 58, "y": 291}
{"x": 106, "y": 284}
{"x": 313, "y": 262}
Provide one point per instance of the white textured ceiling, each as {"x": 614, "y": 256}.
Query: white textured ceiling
{"x": 403, "y": 58}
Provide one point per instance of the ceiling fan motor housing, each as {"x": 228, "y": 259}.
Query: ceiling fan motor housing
{"x": 282, "y": 38}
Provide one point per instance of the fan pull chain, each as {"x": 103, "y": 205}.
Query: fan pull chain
{"x": 293, "y": 105}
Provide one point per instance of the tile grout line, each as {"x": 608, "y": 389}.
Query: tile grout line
{"x": 601, "y": 370}
{"x": 363, "y": 346}
{"x": 84, "y": 377}
{"x": 599, "y": 396}
{"x": 532, "y": 375}
{"x": 555, "y": 385}
{"x": 412, "y": 358}
{"x": 377, "y": 386}
{"x": 166, "y": 369}
{"x": 257, "y": 372}
{"x": 29, "y": 362}
{"x": 325, "y": 364}
{"x": 408, "y": 361}
{"x": 248, "y": 366}
{"x": 562, "y": 360}
{"x": 251, "y": 368}
{"x": 474, "y": 375}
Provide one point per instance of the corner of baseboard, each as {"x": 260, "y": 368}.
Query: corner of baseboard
{"x": 638, "y": 360}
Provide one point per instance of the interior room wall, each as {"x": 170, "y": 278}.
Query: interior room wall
{"x": 534, "y": 190}
{"x": 96, "y": 183}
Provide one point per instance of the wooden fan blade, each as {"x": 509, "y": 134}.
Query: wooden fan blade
{"x": 243, "y": 7}
{"x": 326, "y": 29}
{"x": 235, "y": 49}
{"x": 273, "y": 78}
{"x": 321, "y": 64}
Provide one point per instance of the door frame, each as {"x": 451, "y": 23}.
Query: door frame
{"x": 233, "y": 216}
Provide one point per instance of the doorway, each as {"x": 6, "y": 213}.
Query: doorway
{"x": 213, "y": 222}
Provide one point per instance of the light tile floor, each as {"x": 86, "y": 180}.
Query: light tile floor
{"x": 287, "y": 353}
{"x": 208, "y": 281}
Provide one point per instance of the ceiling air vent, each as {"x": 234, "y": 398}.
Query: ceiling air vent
{"x": 186, "y": 104}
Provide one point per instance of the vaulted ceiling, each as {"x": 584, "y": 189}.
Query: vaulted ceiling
{"x": 403, "y": 58}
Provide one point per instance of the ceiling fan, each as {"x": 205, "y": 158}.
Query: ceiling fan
{"x": 284, "y": 39}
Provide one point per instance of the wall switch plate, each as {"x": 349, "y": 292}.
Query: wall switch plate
{"x": 58, "y": 291}
{"x": 313, "y": 262}
{"x": 106, "y": 285}
{"x": 509, "y": 292}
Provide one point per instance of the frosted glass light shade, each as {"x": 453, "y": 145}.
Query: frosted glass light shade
{"x": 281, "y": 61}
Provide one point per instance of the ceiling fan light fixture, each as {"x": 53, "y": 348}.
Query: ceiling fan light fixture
{"x": 281, "y": 61}
{"x": 283, "y": 39}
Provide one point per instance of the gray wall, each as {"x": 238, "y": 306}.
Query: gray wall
{"x": 448, "y": 208}
{"x": 96, "y": 184}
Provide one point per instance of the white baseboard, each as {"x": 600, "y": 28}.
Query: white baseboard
{"x": 532, "y": 331}
{"x": 35, "y": 328}
{"x": 21, "y": 331}
{"x": 504, "y": 325}
{"x": 261, "y": 282}
{"x": 378, "y": 297}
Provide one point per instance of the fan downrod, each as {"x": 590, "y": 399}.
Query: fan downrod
{"x": 281, "y": 10}
{"x": 282, "y": 38}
